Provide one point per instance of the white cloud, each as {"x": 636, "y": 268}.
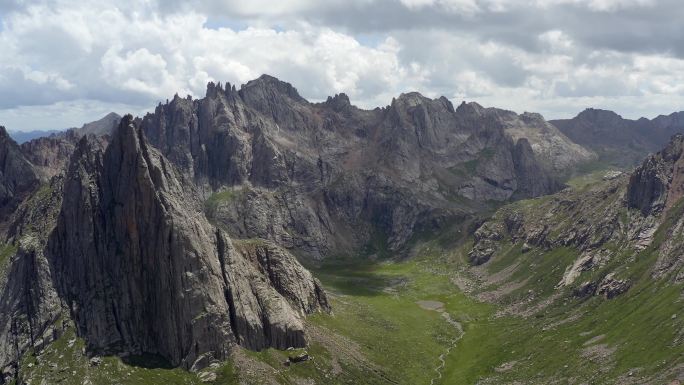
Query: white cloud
{"x": 62, "y": 115}
{"x": 134, "y": 53}
{"x": 600, "y": 5}
{"x": 557, "y": 40}
{"x": 102, "y": 53}
{"x": 464, "y": 6}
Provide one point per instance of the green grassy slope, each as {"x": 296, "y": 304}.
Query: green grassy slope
{"x": 380, "y": 335}
{"x": 506, "y": 322}
{"x": 64, "y": 362}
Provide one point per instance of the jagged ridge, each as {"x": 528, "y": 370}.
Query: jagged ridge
{"x": 331, "y": 174}
{"x": 130, "y": 255}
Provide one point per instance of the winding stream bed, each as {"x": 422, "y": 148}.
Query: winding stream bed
{"x": 439, "y": 307}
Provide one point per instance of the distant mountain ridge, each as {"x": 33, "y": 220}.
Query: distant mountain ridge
{"x": 49, "y": 154}
{"x": 24, "y": 136}
{"x": 17, "y": 175}
{"x": 619, "y": 141}
{"x": 104, "y": 125}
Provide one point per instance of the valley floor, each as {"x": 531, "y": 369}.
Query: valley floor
{"x": 435, "y": 319}
{"x": 413, "y": 323}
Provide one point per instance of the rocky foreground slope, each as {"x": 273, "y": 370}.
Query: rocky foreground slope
{"x": 598, "y": 265}
{"x": 622, "y": 213}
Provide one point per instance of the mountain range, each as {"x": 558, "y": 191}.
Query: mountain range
{"x": 618, "y": 141}
{"x": 179, "y": 240}
{"x": 102, "y": 126}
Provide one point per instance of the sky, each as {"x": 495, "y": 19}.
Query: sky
{"x": 67, "y": 62}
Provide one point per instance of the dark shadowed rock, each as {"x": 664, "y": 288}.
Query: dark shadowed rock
{"x": 610, "y": 287}
{"x": 532, "y": 179}
{"x": 622, "y": 142}
{"x": 50, "y": 154}
{"x": 659, "y": 182}
{"x": 17, "y": 175}
{"x": 319, "y": 178}
{"x": 169, "y": 283}
{"x": 29, "y": 305}
{"x": 486, "y": 245}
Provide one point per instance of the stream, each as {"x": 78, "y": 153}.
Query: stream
{"x": 438, "y": 306}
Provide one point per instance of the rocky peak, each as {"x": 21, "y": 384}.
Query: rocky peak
{"x": 213, "y": 89}
{"x": 532, "y": 117}
{"x": 411, "y": 99}
{"x": 279, "y": 101}
{"x": 599, "y": 116}
{"x": 17, "y": 175}
{"x": 265, "y": 138}
{"x": 409, "y": 103}
{"x": 414, "y": 121}
{"x": 102, "y": 126}
{"x": 471, "y": 108}
{"x": 339, "y": 102}
{"x": 622, "y": 142}
{"x": 447, "y": 103}
{"x": 143, "y": 270}
{"x": 268, "y": 86}
{"x": 658, "y": 183}
{"x": 415, "y": 99}
{"x": 553, "y": 149}
{"x": 112, "y": 116}
{"x": 675, "y": 119}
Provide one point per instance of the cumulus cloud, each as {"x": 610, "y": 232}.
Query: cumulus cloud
{"x": 130, "y": 54}
{"x": 459, "y": 6}
{"x": 109, "y": 55}
{"x": 600, "y": 5}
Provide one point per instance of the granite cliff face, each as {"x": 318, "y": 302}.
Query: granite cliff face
{"x": 656, "y": 189}
{"x": 30, "y": 309}
{"x": 619, "y": 141}
{"x": 170, "y": 283}
{"x": 17, "y": 175}
{"x": 325, "y": 177}
{"x": 50, "y": 154}
{"x": 552, "y": 147}
{"x": 119, "y": 246}
{"x": 658, "y": 183}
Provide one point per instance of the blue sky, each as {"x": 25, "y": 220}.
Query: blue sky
{"x": 66, "y": 62}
